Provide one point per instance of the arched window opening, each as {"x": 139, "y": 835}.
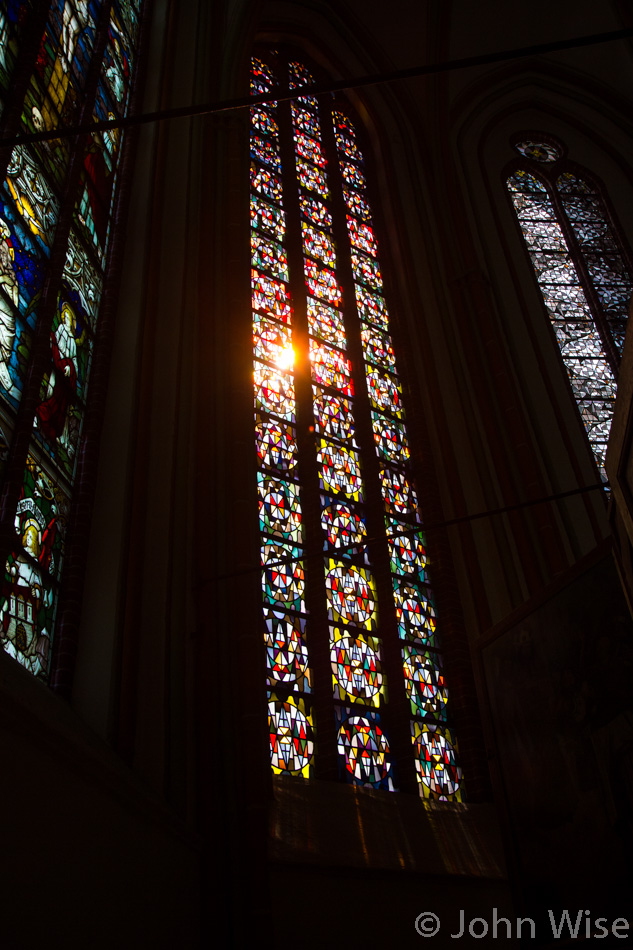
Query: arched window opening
{"x": 584, "y": 274}
{"x": 355, "y": 680}
{"x": 62, "y": 63}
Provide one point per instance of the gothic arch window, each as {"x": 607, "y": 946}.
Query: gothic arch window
{"x": 62, "y": 63}
{"x": 583, "y": 270}
{"x": 355, "y": 683}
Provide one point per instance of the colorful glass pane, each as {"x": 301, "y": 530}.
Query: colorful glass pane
{"x": 343, "y": 124}
{"x": 545, "y": 152}
{"x": 262, "y": 120}
{"x": 305, "y": 120}
{"x": 407, "y": 550}
{"x": 286, "y": 651}
{"x": 32, "y": 195}
{"x": 398, "y": 493}
{"x": 590, "y": 375}
{"x": 366, "y": 271}
{"x": 377, "y": 348}
{"x": 272, "y": 341}
{"x": 267, "y": 184}
{"x": 283, "y": 576}
{"x": 333, "y": 416}
{"x": 316, "y": 212}
{"x": 326, "y": 322}
{"x": 274, "y": 392}
{"x": 27, "y": 614}
{"x": 364, "y": 750}
{"x": 312, "y": 178}
{"x": 340, "y": 472}
{"x": 318, "y": 245}
{"x": 265, "y": 152}
{"x": 384, "y": 392}
{"x": 372, "y": 307}
{"x": 356, "y": 667}
{"x": 300, "y": 75}
{"x": 347, "y": 147}
{"x": 279, "y": 509}
{"x": 352, "y": 175}
{"x": 276, "y": 445}
{"x": 309, "y": 149}
{"x": 439, "y": 775}
{"x": 291, "y": 736}
{"x": 265, "y": 217}
{"x": 424, "y": 683}
{"x": 344, "y": 528}
{"x": 262, "y": 79}
{"x": 322, "y": 282}
{"x": 362, "y": 236}
{"x": 331, "y": 368}
{"x": 351, "y": 594}
{"x": 270, "y": 295}
{"x": 357, "y": 205}
{"x": 415, "y": 611}
{"x": 391, "y": 438}
{"x": 269, "y": 255}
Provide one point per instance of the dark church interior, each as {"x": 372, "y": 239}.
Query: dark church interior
{"x": 142, "y": 809}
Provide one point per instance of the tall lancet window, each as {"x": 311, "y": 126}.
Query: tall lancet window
{"x": 584, "y": 273}
{"x": 62, "y": 63}
{"x": 355, "y": 681}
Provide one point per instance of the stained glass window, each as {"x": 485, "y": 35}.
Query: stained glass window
{"x": 584, "y": 274}
{"x": 81, "y": 58}
{"x": 318, "y": 300}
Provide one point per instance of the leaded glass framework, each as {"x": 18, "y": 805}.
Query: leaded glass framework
{"x": 584, "y": 273}
{"x": 61, "y": 63}
{"x": 355, "y": 675}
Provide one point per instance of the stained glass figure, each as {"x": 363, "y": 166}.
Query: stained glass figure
{"x": 364, "y": 750}
{"x": 351, "y": 594}
{"x": 291, "y": 736}
{"x": 439, "y": 775}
